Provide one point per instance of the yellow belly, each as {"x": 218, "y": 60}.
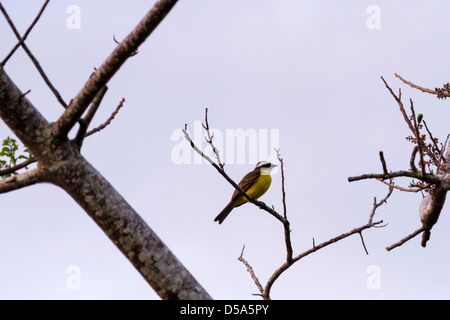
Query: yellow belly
{"x": 256, "y": 190}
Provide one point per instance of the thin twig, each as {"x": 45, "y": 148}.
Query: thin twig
{"x": 315, "y": 248}
{"x": 441, "y": 154}
{"x": 400, "y": 104}
{"x": 110, "y": 66}
{"x": 431, "y": 154}
{"x": 132, "y": 54}
{"x": 413, "y": 126}
{"x": 188, "y": 138}
{"x": 86, "y": 121}
{"x": 17, "y": 167}
{"x": 336, "y": 239}
{"x": 364, "y": 245}
{"x": 404, "y": 189}
{"x": 430, "y": 178}
{"x": 418, "y": 87}
{"x": 413, "y": 159}
{"x": 258, "y": 203}
{"x": 286, "y": 223}
{"x": 25, "y": 34}
{"x": 383, "y": 163}
{"x": 210, "y": 140}
{"x": 419, "y": 140}
{"x": 265, "y": 292}
{"x": 108, "y": 121}
{"x": 283, "y": 193}
{"x": 376, "y": 204}
{"x": 405, "y": 239}
{"x": 431, "y": 205}
{"x": 250, "y": 270}
{"x": 33, "y": 59}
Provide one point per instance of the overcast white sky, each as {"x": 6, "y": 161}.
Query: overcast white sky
{"x": 307, "y": 70}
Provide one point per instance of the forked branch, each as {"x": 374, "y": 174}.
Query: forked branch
{"x": 111, "y": 65}
{"x": 435, "y": 182}
{"x": 30, "y": 55}
{"x": 264, "y": 292}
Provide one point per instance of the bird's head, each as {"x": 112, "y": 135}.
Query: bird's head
{"x": 265, "y": 167}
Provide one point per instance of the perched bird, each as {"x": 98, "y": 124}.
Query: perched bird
{"x": 255, "y": 184}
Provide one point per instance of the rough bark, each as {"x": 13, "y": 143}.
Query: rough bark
{"x": 432, "y": 204}
{"x": 60, "y": 162}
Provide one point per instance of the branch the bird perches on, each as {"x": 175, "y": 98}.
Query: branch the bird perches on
{"x": 264, "y": 291}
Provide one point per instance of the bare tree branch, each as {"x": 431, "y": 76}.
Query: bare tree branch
{"x": 210, "y": 140}
{"x": 126, "y": 229}
{"x": 383, "y": 163}
{"x": 204, "y": 156}
{"x": 108, "y": 121}
{"x": 290, "y": 260}
{"x": 258, "y": 203}
{"x": 359, "y": 230}
{"x": 418, "y": 87}
{"x": 21, "y": 180}
{"x": 391, "y": 184}
{"x": 413, "y": 126}
{"x": 33, "y": 59}
{"x": 110, "y": 66}
{"x": 376, "y": 204}
{"x": 400, "y": 104}
{"x": 401, "y": 173}
{"x": 60, "y": 163}
{"x": 315, "y": 248}
{"x": 418, "y": 138}
{"x": 286, "y": 223}
{"x": 431, "y": 205}
{"x": 16, "y": 167}
{"x": 25, "y": 34}
{"x": 413, "y": 159}
{"x": 252, "y": 273}
{"x": 437, "y": 184}
{"x": 84, "y": 122}
{"x": 405, "y": 239}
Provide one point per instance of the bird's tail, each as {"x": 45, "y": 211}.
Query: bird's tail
{"x": 225, "y": 212}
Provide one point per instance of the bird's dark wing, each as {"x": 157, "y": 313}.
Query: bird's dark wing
{"x": 247, "y": 181}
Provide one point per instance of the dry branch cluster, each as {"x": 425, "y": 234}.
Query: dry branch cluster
{"x": 433, "y": 172}
{"x": 433, "y": 178}
{"x": 264, "y": 291}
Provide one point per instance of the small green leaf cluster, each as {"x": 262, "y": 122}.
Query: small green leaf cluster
{"x": 10, "y": 155}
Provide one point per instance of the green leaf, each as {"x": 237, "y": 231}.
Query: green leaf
{"x": 419, "y": 118}
{"x": 10, "y": 147}
{"x": 6, "y": 150}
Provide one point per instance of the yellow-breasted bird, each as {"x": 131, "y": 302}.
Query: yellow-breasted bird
{"x": 254, "y": 183}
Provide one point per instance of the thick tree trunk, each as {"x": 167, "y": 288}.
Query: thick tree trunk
{"x": 145, "y": 250}
{"x": 60, "y": 162}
